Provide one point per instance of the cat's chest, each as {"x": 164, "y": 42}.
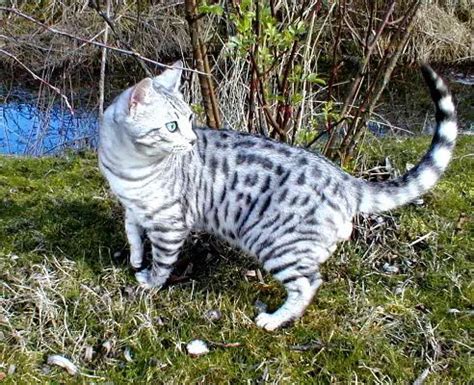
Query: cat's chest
{"x": 155, "y": 209}
{"x": 155, "y": 202}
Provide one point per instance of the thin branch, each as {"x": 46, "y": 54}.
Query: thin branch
{"x": 202, "y": 63}
{"x": 106, "y": 17}
{"x": 262, "y": 100}
{"x": 95, "y": 43}
{"x": 355, "y": 132}
{"x": 55, "y": 89}
{"x": 410, "y": 21}
{"x": 316, "y": 138}
{"x": 362, "y": 76}
{"x": 102, "y": 67}
{"x": 330, "y": 126}
{"x": 315, "y": 42}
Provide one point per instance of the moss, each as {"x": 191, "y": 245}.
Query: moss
{"x": 64, "y": 288}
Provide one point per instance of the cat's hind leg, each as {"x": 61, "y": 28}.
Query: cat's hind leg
{"x": 301, "y": 279}
{"x": 135, "y": 239}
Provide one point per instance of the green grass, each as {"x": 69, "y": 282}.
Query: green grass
{"x": 64, "y": 286}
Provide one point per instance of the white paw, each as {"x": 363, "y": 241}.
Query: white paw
{"x": 144, "y": 279}
{"x": 268, "y": 321}
{"x": 136, "y": 261}
{"x": 147, "y": 281}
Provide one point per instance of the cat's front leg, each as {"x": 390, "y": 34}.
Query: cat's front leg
{"x": 166, "y": 244}
{"x": 135, "y": 239}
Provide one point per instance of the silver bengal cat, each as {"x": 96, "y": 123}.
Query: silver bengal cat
{"x": 284, "y": 205}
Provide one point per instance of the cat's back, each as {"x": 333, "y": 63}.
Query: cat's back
{"x": 251, "y": 165}
{"x": 258, "y": 153}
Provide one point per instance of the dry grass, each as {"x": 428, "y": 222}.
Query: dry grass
{"x": 158, "y": 32}
{"x": 440, "y": 36}
{"x": 397, "y": 303}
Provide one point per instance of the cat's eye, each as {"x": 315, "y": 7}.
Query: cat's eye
{"x": 172, "y": 126}
{"x": 191, "y": 117}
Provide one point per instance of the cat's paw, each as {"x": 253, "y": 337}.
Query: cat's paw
{"x": 147, "y": 281}
{"x": 268, "y": 321}
{"x": 143, "y": 278}
{"x": 136, "y": 261}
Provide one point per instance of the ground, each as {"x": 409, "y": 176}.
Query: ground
{"x": 397, "y": 303}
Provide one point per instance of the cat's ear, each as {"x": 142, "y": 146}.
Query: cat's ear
{"x": 139, "y": 96}
{"x": 170, "y": 79}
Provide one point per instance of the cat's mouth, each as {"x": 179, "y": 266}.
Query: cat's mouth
{"x": 180, "y": 148}
{"x": 153, "y": 145}
{"x": 144, "y": 144}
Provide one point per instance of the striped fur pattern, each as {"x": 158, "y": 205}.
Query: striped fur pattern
{"x": 286, "y": 206}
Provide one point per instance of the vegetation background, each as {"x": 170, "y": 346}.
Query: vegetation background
{"x": 305, "y": 72}
{"x": 397, "y": 305}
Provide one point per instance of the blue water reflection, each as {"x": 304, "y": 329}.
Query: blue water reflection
{"x": 30, "y": 126}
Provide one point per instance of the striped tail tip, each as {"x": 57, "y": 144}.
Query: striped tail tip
{"x": 387, "y": 195}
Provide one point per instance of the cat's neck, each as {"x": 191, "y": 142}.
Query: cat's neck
{"x": 118, "y": 148}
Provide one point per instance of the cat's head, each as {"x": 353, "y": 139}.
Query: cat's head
{"x": 155, "y": 116}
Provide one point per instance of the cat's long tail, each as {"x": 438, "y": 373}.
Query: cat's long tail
{"x": 381, "y": 196}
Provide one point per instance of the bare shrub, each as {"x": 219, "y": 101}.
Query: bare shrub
{"x": 306, "y": 71}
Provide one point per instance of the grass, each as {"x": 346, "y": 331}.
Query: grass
{"x": 65, "y": 288}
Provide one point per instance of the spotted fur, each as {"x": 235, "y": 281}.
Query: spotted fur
{"x": 286, "y": 206}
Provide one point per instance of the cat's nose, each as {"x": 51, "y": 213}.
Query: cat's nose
{"x": 192, "y": 142}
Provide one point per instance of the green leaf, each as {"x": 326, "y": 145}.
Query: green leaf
{"x": 212, "y": 9}
{"x": 314, "y": 78}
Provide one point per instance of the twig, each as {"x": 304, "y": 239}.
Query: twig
{"x": 420, "y": 239}
{"x": 316, "y": 138}
{"x": 357, "y": 84}
{"x": 225, "y": 344}
{"x": 368, "y": 53}
{"x": 368, "y": 105}
{"x": 334, "y": 69}
{"x": 308, "y": 57}
{"x": 262, "y": 100}
{"x": 410, "y": 20}
{"x": 465, "y": 156}
{"x": 95, "y": 43}
{"x": 422, "y": 377}
{"x": 282, "y": 108}
{"x": 102, "y": 67}
{"x": 106, "y": 16}
{"x": 200, "y": 57}
{"x": 253, "y": 73}
{"x": 55, "y": 89}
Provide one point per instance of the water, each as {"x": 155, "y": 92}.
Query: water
{"x": 33, "y": 126}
